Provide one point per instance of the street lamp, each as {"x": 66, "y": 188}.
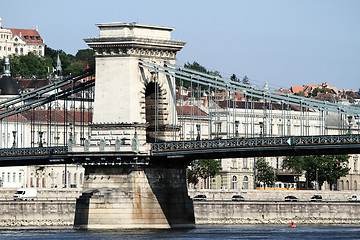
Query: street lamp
{"x": 14, "y": 143}
{"x": 198, "y": 132}
{"x": 40, "y": 138}
{"x": 261, "y": 128}
{"x": 236, "y": 128}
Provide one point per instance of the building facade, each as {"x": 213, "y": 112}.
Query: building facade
{"x": 246, "y": 119}
{"x": 15, "y": 41}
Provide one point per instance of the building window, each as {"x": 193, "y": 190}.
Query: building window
{"x": 245, "y": 163}
{"x": 74, "y": 179}
{"x": 234, "y": 163}
{"x": 81, "y": 178}
{"x": 347, "y": 185}
{"x": 355, "y": 185}
{"x": 8, "y": 177}
{"x": 234, "y": 182}
{"x": 63, "y": 179}
{"x": 246, "y": 182}
{"x": 14, "y": 177}
{"x": 20, "y": 177}
{"x": 355, "y": 165}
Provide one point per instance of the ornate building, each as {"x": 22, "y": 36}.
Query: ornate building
{"x": 20, "y": 41}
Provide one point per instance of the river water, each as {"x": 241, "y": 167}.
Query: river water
{"x": 201, "y": 232}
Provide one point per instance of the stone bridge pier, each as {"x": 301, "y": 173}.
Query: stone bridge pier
{"x": 132, "y": 108}
{"x": 134, "y": 197}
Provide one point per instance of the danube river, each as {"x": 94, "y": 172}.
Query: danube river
{"x": 201, "y": 232}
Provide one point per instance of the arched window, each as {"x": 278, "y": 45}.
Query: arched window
{"x": 355, "y": 185}
{"x": 234, "y": 182}
{"x": 246, "y": 182}
{"x": 347, "y": 185}
{"x": 342, "y": 185}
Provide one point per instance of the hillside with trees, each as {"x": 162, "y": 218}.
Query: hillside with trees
{"x": 33, "y": 66}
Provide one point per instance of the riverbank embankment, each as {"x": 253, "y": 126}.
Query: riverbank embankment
{"x": 259, "y": 207}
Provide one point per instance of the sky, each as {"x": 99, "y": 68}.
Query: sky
{"x": 282, "y": 42}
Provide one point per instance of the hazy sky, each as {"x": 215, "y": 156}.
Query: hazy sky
{"x": 283, "y": 42}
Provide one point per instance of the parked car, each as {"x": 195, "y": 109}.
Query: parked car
{"x": 237, "y": 198}
{"x": 291, "y": 199}
{"x": 316, "y": 198}
{"x": 354, "y": 198}
{"x": 200, "y": 197}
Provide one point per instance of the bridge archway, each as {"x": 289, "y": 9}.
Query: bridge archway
{"x": 155, "y": 112}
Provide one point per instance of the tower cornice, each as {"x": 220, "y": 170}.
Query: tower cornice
{"x": 134, "y": 46}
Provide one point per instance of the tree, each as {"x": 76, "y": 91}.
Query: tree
{"x": 234, "y": 78}
{"x": 86, "y": 55}
{"x": 317, "y": 168}
{"x": 203, "y": 168}
{"x": 29, "y": 66}
{"x": 265, "y": 173}
{"x": 301, "y": 94}
{"x": 316, "y": 91}
{"x": 245, "y": 80}
{"x": 197, "y": 67}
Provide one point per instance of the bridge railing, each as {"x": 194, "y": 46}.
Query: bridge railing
{"x": 33, "y": 151}
{"x": 250, "y": 142}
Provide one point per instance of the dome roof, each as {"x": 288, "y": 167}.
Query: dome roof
{"x": 8, "y": 86}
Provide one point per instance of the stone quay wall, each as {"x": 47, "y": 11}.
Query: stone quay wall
{"x": 62, "y": 213}
{"x": 276, "y": 212}
{"x": 267, "y": 207}
{"x": 37, "y": 213}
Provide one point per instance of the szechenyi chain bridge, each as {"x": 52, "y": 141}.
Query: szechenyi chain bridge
{"x": 141, "y": 120}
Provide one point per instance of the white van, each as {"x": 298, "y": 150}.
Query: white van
{"x": 25, "y": 194}
{"x": 354, "y": 198}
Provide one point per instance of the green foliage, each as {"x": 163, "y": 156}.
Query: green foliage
{"x": 208, "y": 168}
{"x": 301, "y": 94}
{"x": 33, "y": 66}
{"x": 192, "y": 176}
{"x": 246, "y": 80}
{"x": 265, "y": 173}
{"x": 234, "y": 78}
{"x": 29, "y": 66}
{"x": 319, "y": 168}
{"x": 316, "y": 91}
{"x": 203, "y": 168}
{"x": 196, "y": 67}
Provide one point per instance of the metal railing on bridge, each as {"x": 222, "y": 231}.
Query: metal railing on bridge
{"x": 254, "y": 142}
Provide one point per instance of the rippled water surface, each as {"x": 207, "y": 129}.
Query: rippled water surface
{"x": 201, "y": 232}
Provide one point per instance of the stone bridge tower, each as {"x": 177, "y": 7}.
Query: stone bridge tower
{"x": 133, "y": 195}
{"x": 124, "y": 107}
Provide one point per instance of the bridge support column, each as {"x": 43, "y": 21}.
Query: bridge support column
{"x": 118, "y": 197}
